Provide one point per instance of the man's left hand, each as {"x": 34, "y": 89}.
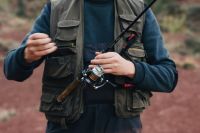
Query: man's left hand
{"x": 113, "y": 63}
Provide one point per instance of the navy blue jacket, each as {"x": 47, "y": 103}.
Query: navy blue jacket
{"x": 157, "y": 74}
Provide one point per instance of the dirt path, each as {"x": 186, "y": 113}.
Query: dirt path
{"x": 177, "y": 112}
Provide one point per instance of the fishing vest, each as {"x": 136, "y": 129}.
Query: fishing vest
{"x": 63, "y": 66}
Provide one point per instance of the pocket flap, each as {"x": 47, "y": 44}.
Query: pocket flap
{"x": 137, "y": 102}
{"x": 127, "y": 19}
{"x": 135, "y": 52}
{"x": 47, "y": 98}
{"x": 68, "y": 23}
{"x": 67, "y": 30}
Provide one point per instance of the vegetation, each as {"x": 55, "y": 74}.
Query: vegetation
{"x": 22, "y": 8}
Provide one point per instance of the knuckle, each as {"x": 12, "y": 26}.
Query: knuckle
{"x": 46, "y": 52}
{"x": 34, "y": 35}
{"x": 46, "y": 46}
{"x": 31, "y": 49}
{"x": 51, "y": 50}
{"x": 44, "y": 35}
{"x": 111, "y": 71}
{"x": 106, "y": 71}
{"x": 114, "y": 54}
{"x": 104, "y": 61}
{"x": 49, "y": 39}
{"x": 115, "y": 65}
{"x": 52, "y": 44}
{"x": 96, "y": 62}
{"x": 38, "y": 53}
{"x": 34, "y": 53}
{"x": 38, "y": 41}
{"x": 115, "y": 59}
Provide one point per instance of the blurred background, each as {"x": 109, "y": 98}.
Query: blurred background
{"x": 177, "y": 112}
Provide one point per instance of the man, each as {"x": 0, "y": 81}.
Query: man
{"x": 70, "y": 35}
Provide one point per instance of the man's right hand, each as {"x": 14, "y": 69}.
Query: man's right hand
{"x": 38, "y": 45}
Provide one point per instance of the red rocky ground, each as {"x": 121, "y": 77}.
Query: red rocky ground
{"x": 177, "y": 112}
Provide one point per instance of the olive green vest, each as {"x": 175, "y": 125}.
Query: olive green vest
{"x": 66, "y": 29}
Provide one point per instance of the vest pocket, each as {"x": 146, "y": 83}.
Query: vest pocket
{"x": 138, "y": 100}
{"x": 59, "y": 67}
{"x": 136, "y": 53}
{"x": 67, "y": 30}
{"x": 70, "y": 109}
{"x": 66, "y": 35}
{"x": 48, "y": 103}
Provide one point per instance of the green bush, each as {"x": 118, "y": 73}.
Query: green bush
{"x": 160, "y": 6}
{"x": 22, "y": 8}
{"x": 193, "y": 18}
{"x": 193, "y": 44}
{"x": 4, "y": 6}
{"x": 30, "y": 8}
{"x": 173, "y": 24}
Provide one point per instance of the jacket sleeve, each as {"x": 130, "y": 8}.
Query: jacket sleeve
{"x": 159, "y": 72}
{"x": 15, "y": 67}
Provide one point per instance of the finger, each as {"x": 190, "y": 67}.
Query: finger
{"x": 38, "y": 36}
{"x": 109, "y": 66}
{"x": 108, "y": 71}
{"x": 92, "y": 66}
{"x": 43, "y": 47}
{"x": 102, "y": 61}
{"x": 105, "y": 55}
{"x": 39, "y": 41}
{"x": 45, "y": 52}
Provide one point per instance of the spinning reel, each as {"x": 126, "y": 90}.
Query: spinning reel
{"x": 95, "y": 77}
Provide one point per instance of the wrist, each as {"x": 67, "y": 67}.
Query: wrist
{"x": 26, "y": 56}
{"x": 131, "y": 70}
{"x": 20, "y": 58}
